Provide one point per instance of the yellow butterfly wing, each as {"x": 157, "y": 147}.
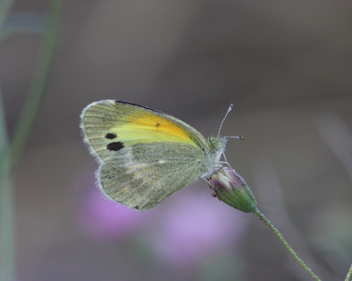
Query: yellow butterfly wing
{"x": 145, "y": 155}
{"x": 109, "y": 126}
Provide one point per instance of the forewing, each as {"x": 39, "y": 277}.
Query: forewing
{"x": 109, "y": 126}
{"x": 145, "y": 174}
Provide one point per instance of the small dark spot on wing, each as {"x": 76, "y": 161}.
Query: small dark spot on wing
{"x": 110, "y": 136}
{"x": 157, "y": 125}
{"x": 136, "y": 207}
{"x": 115, "y": 146}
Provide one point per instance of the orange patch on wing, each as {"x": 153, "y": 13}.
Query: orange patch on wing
{"x": 147, "y": 121}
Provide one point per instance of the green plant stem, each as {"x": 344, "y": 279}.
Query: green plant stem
{"x": 7, "y": 252}
{"x": 5, "y": 7}
{"x": 288, "y": 247}
{"x": 349, "y": 274}
{"x": 9, "y": 154}
{"x": 7, "y": 256}
{"x": 37, "y": 89}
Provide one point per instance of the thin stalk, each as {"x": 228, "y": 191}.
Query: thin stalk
{"x": 37, "y": 89}
{"x": 349, "y": 274}
{"x": 288, "y": 247}
{"x": 9, "y": 154}
{"x": 5, "y": 7}
{"x": 7, "y": 249}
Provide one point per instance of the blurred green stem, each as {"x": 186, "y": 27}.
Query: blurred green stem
{"x": 349, "y": 274}
{"x": 7, "y": 269}
{"x": 10, "y": 155}
{"x": 38, "y": 86}
{"x": 5, "y": 7}
{"x": 288, "y": 247}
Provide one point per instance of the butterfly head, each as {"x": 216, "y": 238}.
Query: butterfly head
{"x": 217, "y": 144}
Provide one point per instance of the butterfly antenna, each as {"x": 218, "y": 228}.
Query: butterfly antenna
{"x": 235, "y": 137}
{"x": 222, "y": 122}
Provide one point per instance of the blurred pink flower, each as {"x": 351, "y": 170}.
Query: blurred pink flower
{"x": 182, "y": 230}
{"x": 194, "y": 225}
{"x": 102, "y": 219}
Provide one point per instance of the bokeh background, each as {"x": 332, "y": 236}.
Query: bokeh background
{"x": 285, "y": 65}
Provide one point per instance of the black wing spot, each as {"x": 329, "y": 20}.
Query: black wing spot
{"x": 110, "y": 136}
{"x": 115, "y": 146}
{"x": 157, "y": 125}
{"x": 136, "y": 207}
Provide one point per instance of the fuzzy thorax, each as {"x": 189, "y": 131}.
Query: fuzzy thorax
{"x": 217, "y": 147}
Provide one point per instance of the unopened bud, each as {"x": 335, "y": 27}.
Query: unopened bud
{"x": 233, "y": 190}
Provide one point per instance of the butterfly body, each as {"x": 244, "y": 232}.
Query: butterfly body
{"x": 145, "y": 155}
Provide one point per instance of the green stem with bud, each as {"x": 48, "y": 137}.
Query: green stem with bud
{"x": 349, "y": 274}
{"x": 288, "y": 247}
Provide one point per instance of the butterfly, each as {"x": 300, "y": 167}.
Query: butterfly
{"x": 145, "y": 155}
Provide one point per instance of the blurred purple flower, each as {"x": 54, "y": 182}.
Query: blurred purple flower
{"x": 194, "y": 225}
{"x": 102, "y": 219}
{"x": 181, "y": 231}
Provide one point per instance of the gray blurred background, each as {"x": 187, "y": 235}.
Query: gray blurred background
{"x": 285, "y": 65}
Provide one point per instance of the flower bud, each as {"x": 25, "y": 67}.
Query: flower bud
{"x": 233, "y": 190}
